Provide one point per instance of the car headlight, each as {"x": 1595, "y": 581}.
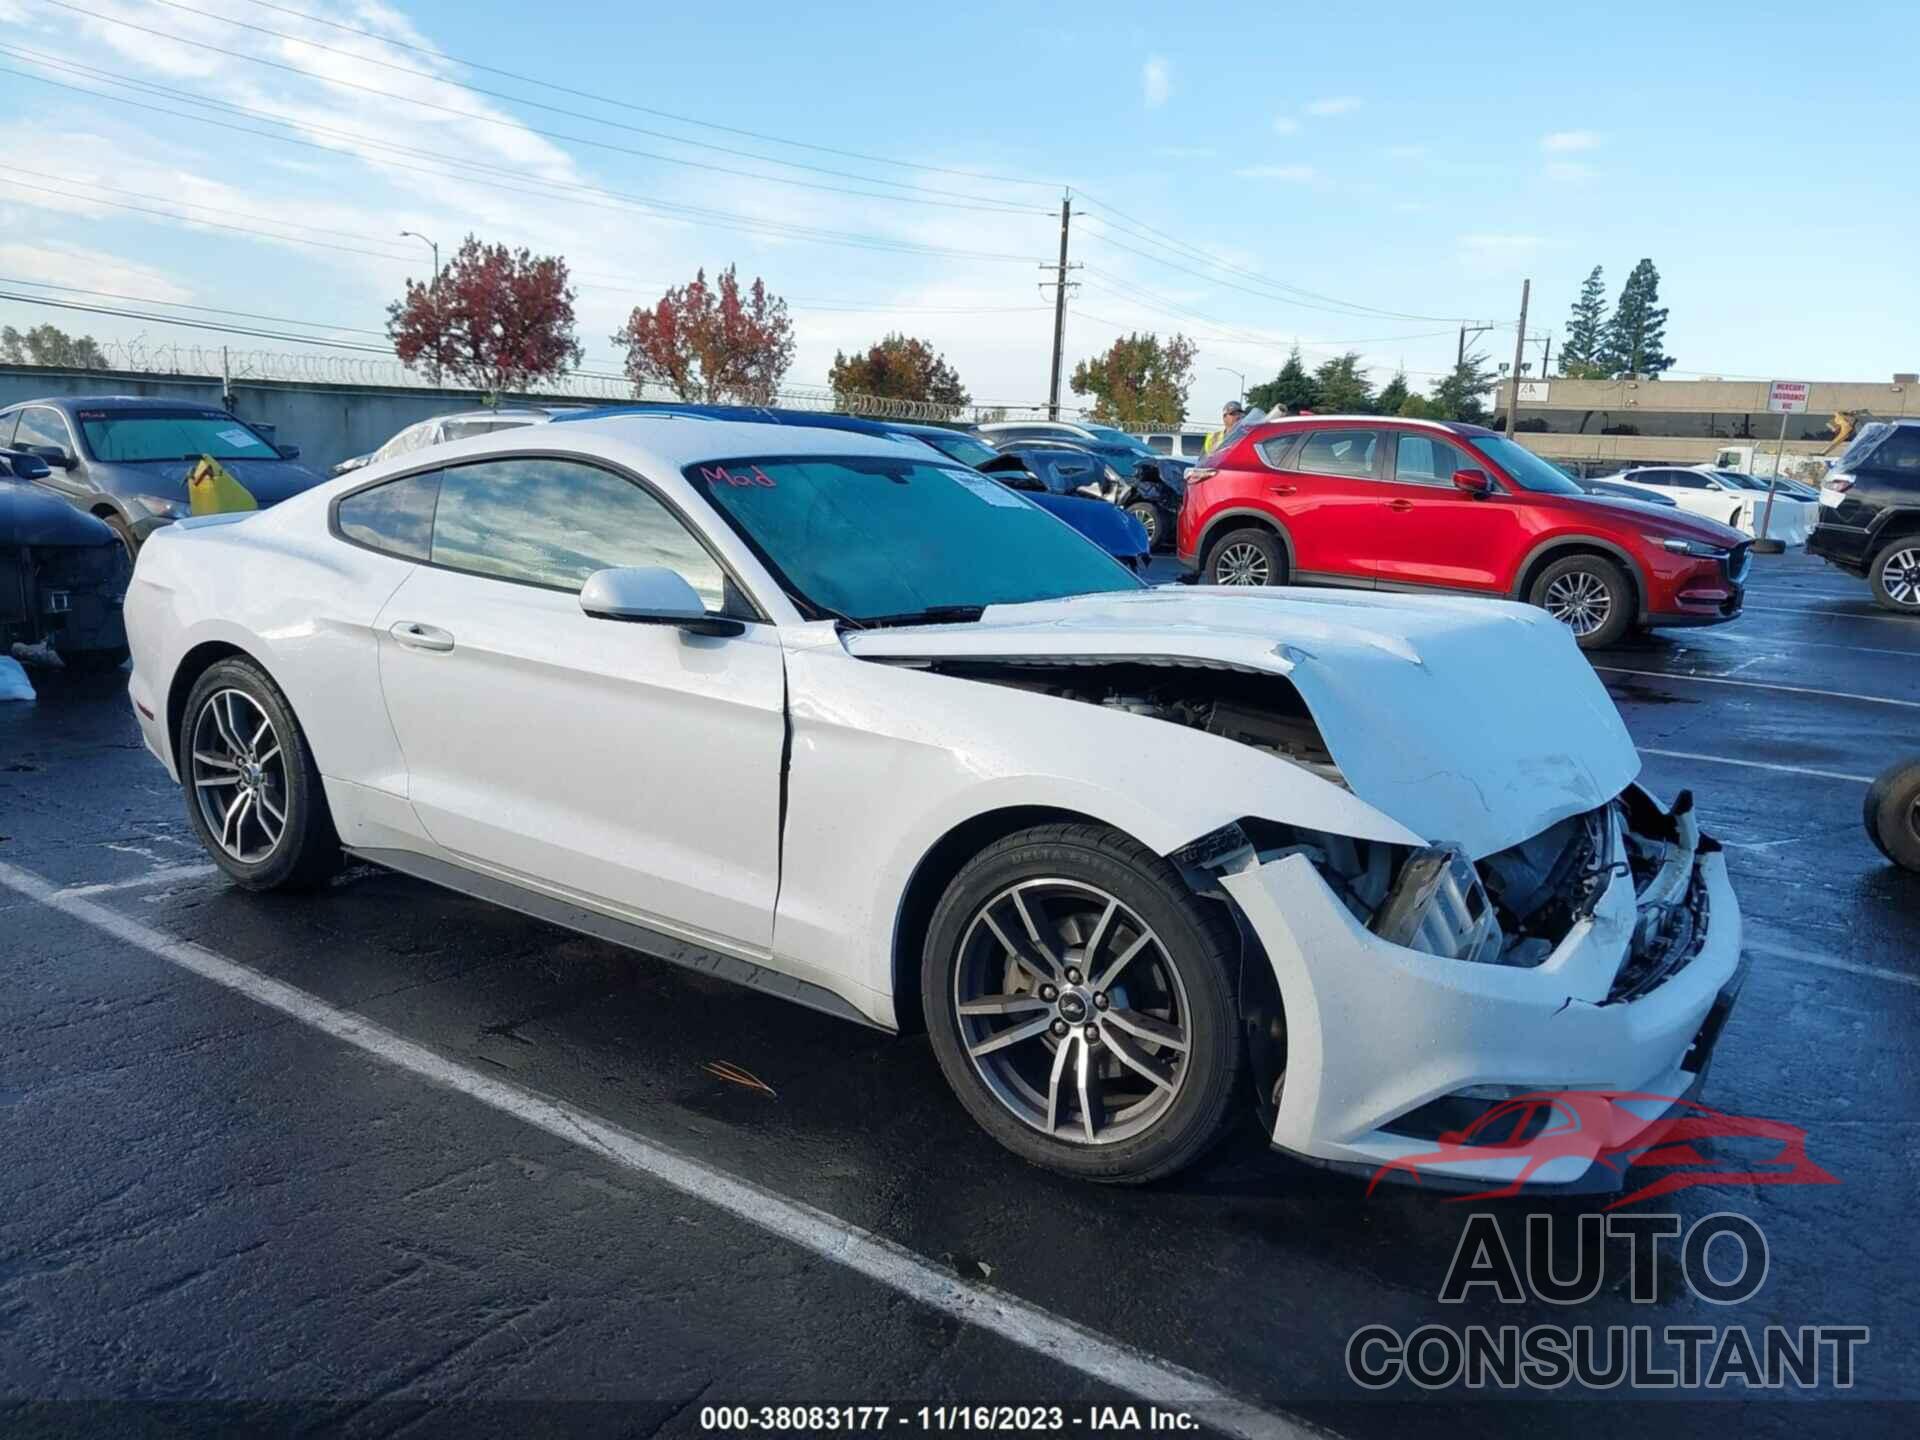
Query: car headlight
{"x": 160, "y": 505}
{"x": 1696, "y": 547}
{"x": 1439, "y": 907}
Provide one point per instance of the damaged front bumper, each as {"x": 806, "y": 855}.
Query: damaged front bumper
{"x": 1381, "y": 1039}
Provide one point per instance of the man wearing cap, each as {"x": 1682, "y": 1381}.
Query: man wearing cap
{"x": 1229, "y": 417}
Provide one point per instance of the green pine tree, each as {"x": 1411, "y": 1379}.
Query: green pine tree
{"x": 1343, "y": 386}
{"x": 1392, "y": 395}
{"x": 1292, "y": 388}
{"x": 1458, "y": 395}
{"x": 1582, "y": 352}
{"x": 1637, "y": 333}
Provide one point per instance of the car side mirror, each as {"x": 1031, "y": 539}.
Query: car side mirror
{"x": 651, "y": 595}
{"x": 28, "y": 467}
{"x": 288, "y": 452}
{"x": 1476, "y": 483}
{"x": 55, "y": 455}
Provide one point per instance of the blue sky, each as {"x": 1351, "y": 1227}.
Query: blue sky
{"x": 1252, "y": 175}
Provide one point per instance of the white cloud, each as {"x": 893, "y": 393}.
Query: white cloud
{"x": 1335, "y": 105}
{"x": 1156, "y": 82}
{"x": 1285, "y": 125}
{"x": 1566, "y": 142}
{"x": 90, "y": 270}
{"x": 1276, "y": 172}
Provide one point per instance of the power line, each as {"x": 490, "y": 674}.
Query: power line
{"x": 520, "y": 126}
{"x": 554, "y": 189}
{"x": 647, "y": 110}
{"x": 363, "y": 59}
{"x": 183, "y": 305}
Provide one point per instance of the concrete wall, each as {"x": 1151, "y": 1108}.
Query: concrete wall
{"x": 327, "y": 422}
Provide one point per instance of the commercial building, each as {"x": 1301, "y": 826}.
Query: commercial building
{"x": 1598, "y": 425}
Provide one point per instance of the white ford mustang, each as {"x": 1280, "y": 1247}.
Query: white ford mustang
{"x": 833, "y": 717}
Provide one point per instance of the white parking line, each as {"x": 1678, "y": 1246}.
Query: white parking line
{"x": 1757, "y": 765}
{"x": 164, "y": 875}
{"x": 1063, "y": 1341}
{"x": 1761, "y": 685}
{"x": 1818, "y": 613}
{"x": 1832, "y": 962}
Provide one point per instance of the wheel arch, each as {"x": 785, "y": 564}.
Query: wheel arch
{"x": 930, "y": 879}
{"x": 195, "y": 663}
{"x": 1563, "y": 546}
{"x": 1241, "y": 517}
{"x": 1891, "y": 525}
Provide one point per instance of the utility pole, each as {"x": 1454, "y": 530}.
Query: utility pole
{"x": 1546, "y": 355}
{"x": 1059, "y": 310}
{"x": 1519, "y": 353}
{"x": 1460, "y": 355}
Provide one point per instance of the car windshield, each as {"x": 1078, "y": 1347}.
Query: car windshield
{"x": 964, "y": 448}
{"x": 1133, "y": 444}
{"x": 134, "y": 435}
{"x": 1527, "y": 469}
{"x": 881, "y": 540}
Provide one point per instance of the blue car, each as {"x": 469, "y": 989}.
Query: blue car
{"x": 1112, "y": 529}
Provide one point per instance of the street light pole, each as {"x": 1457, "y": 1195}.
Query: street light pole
{"x": 433, "y": 372}
{"x": 1238, "y": 375}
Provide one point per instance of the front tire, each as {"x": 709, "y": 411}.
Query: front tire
{"x": 1153, "y": 521}
{"x": 1892, "y": 814}
{"x": 1895, "y": 576}
{"x": 1080, "y": 1002}
{"x": 1590, "y": 595}
{"x": 126, "y": 536}
{"x": 254, "y": 795}
{"x": 1249, "y": 557}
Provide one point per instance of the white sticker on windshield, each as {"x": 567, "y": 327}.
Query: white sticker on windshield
{"x": 237, "y": 438}
{"x": 991, "y": 491}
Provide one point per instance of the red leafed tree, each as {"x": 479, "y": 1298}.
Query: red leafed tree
{"x": 495, "y": 319}
{"x": 900, "y": 367}
{"x": 711, "y": 342}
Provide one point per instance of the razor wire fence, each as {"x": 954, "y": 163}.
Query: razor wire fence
{"x": 376, "y": 370}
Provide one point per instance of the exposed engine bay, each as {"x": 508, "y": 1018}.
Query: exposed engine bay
{"x": 1246, "y": 706}
{"x": 67, "y": 594}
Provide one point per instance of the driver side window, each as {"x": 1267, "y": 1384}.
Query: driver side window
{"x": 552, "y": 523}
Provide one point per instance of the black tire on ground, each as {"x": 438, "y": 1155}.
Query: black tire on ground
{"x": 1251, "y": 556}
{"x": 1892, "y": 813}
{"x": 1152, "y": 521}
{"x": 307, "y": 851}
{"x": 1091, "y": 865}
{"x": 1591, "y": 595}
{"x": 1895, "y": 576}
{"x": 125, "y": 532}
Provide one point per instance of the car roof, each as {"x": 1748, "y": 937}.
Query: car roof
{"x": 1451, "y": 427}
{"x": 68, "y": 403}
{"x": 676, "y": 440}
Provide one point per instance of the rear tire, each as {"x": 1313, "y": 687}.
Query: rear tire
{"x": 1137, "y": 1006}
{"x": 1590, "y": 595}
{"x": 1892, "y": 814}
{"x": 1895, "y": 576}
{"x": 254, "y": 794}
{"x": 1250, "y": 557}
{"x": 1154, "y": 521}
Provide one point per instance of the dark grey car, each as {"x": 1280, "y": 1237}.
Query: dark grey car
{"x": 126, "y": 458}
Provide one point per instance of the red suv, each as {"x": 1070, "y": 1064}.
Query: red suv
{"x": 1380, "y": 503}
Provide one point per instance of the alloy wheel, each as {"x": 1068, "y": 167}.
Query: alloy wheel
{"x": 1072, "y": 1011}
{"x": 1901, "y": 576}
{"x": 1242, "y": 565}
{"x": 1580, "y": 601}
{"x": 239, "y": 774}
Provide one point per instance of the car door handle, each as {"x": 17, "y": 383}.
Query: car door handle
{"x": 1281, "y": 489}
{"x": 1399, "y": 504}
{"x": 415, "y": 636}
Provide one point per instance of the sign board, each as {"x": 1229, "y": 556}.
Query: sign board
{"x": 1534, "y": 392}
{"x": 1788, "y": 397}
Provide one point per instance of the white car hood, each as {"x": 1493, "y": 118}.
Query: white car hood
{"x": 1475, "y": 721}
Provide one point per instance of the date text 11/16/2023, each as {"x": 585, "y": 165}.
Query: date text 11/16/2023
{"x": 944, "y": 1419}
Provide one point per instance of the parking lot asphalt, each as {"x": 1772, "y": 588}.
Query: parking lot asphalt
{"x": 340, "y": 1199}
